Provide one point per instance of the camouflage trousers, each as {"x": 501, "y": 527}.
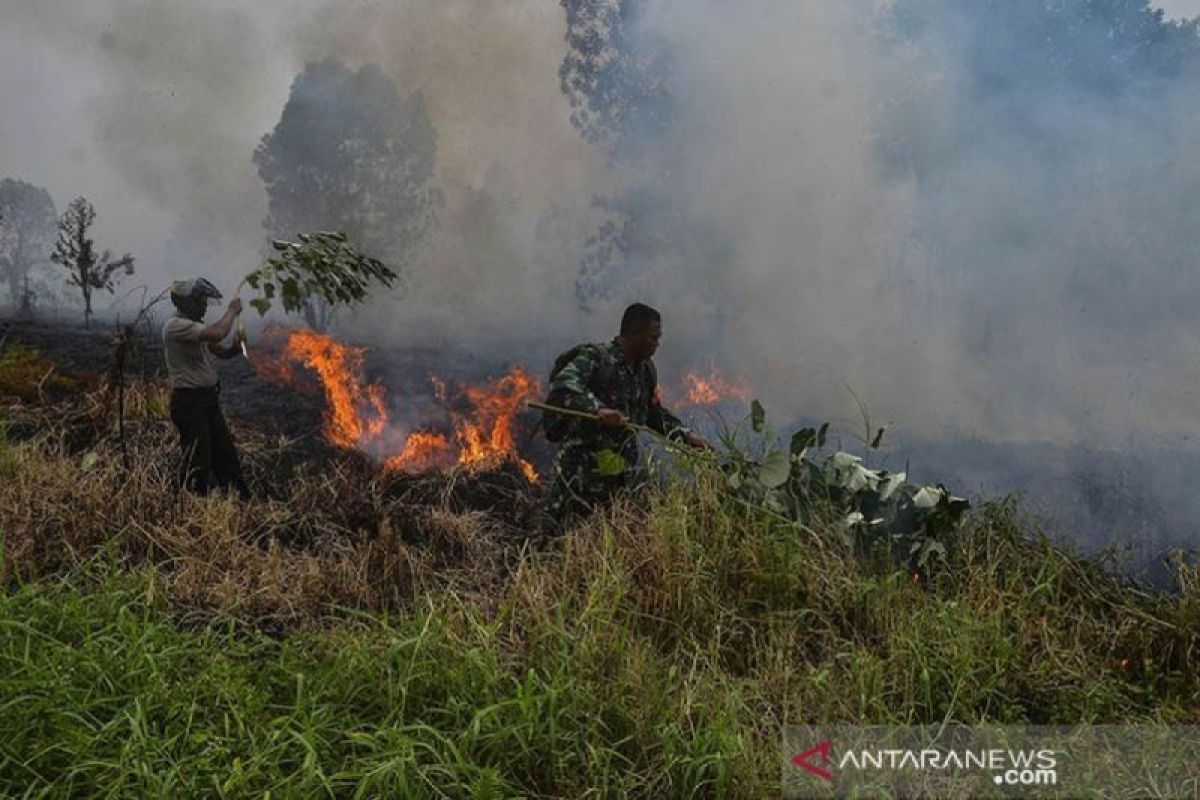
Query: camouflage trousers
{"x": 586, "y": 480}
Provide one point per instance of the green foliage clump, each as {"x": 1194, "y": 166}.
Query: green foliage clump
{"x": 321, "y": 265}
{"x": 872, "y": 507}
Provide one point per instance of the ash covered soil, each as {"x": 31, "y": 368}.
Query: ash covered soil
{"x": 246, "y": 397}
{"x": 262, "y": 409}
{"x": 249, "y": 398}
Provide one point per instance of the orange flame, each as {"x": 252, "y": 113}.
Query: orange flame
{"x": 706, "y": 390}
{"x": 356, "y": 413}
{"x": 488, "y": 437}
{"x": 422, "y": 451}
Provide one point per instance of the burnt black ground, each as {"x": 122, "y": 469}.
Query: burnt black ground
{"x": 250, "y": 400}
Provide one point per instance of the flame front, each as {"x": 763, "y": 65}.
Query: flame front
{"x": 706, "y": 390}
{"x": 423, "y": 450}
{"x": 482, "y": 416}
{"x": 487, "y": 436}
{"x": 356, "y": 413}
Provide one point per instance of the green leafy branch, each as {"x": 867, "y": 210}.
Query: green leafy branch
{"x": 875, "y": 506}
{"x": 320, "y": 265}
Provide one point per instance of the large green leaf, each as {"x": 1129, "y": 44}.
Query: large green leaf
{"x": 889, "y": 484}
{"x": 758, "y": 416}
{"x": 927, "y": 497}
{"x": 775, "y": 469}
{"x": 802, "y": 440}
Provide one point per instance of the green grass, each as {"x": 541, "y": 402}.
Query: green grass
{"x": 26, "y": 374}
{"x": 104, "y": 695}
{"x": 655, "y": 659}
{"x": 647, "y": 655}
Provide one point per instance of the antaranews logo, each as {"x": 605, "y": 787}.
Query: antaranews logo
{"x": 846, "y": 759}
{"x": 806, "y": 758}
{"x": 1021, "y": 767}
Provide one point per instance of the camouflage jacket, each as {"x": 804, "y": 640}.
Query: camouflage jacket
{"x": 598, "y": 377}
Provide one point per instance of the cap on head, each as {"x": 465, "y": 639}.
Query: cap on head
{"x": 194, "y": 288}
{"x": 191, "y": 296}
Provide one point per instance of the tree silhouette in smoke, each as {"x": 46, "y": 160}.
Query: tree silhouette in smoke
{"x": 1077, "y": 57}
{"x": 617, "y": 77}
{"x": 616, "y": 80}
{"x": 28, "y": 225}
{"x": 349, "y": 155}
{"x": 1104, "y": 48}
{"x": 76, "y": 252}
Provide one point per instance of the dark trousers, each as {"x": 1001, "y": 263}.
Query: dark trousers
{"x": 207, "y": 445}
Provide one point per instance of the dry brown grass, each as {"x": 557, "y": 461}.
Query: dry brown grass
{"x": 340, "y": 532}
{"x": 27, "y": 376}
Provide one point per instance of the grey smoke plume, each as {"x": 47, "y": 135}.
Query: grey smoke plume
{"x": 856, "y": 207}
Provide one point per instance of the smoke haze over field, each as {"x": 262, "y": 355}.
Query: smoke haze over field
{"x": 899, "y": 196}
{"x": 1179, "y": 9}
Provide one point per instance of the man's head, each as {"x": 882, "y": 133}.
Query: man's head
{"x": 641, "y": 329}
{"x": 191, "y": 297}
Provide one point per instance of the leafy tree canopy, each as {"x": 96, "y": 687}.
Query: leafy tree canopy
{"x": 76, "y": 252}
{"x": 348, "y": 154}
{"x": 28, "y": 224}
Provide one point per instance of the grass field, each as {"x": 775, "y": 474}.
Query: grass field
{"x": 341, "y": 639}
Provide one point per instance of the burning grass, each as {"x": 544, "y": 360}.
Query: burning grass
{"x": 369, "y": 631}
{"x": 480, "y": 418}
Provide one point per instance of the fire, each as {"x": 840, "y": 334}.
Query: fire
{"x": 356, "y": 413}
{"x": 482, "y": 416}
{"x": 422, "y": 451}
{"x": 704, "y": 390}
{"x": 488, "y": 436}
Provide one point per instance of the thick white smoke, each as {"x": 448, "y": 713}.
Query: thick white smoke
{"x": 948, "y": 298}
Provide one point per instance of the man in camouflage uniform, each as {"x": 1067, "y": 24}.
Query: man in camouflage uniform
{"x": 618, "y": 382}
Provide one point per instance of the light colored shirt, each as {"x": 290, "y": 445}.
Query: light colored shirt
{"x": 190, "y": 364}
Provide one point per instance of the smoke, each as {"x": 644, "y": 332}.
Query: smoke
{"x": 865, "y": 194}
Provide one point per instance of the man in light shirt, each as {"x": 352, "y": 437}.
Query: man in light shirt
{"x": 209, "y": 456}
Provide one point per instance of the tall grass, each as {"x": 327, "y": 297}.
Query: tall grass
{"x": 341, "y": 641}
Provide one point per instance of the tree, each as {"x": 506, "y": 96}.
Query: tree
{"x": 27, "y": 227}
{"x": 616, "y": 80}
{"x": 349, "y": 155}
{"x": 1104, "y": 49}
{"x": 76, "y": 252}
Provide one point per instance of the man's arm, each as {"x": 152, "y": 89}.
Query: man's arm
{"x": 221, "y": 328}
{"x": 569, "y": 388}
{"x": 662, "y": 420}
{"x": 222, "y": 351}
